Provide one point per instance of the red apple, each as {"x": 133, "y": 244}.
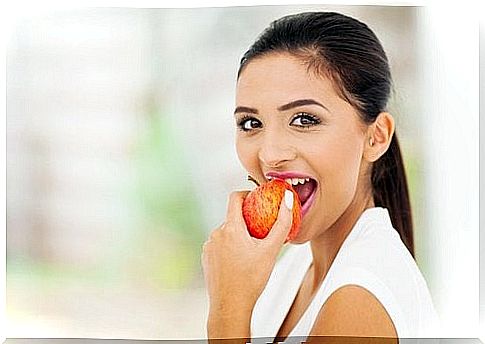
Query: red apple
{"x": 260, "y": 208}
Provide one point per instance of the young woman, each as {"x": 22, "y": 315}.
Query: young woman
{"x": 311, "y": 102}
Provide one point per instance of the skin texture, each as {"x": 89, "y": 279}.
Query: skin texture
{"x": 333, "y": 147}
{"x": 363, "y": 314}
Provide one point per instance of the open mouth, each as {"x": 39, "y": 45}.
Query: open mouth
{"x": 305, "y": 188}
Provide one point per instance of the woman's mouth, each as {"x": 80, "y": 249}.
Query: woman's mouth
{"x": 304, "y": 186}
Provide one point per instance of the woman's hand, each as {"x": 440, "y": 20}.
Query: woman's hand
{"x": 237, "y": 267}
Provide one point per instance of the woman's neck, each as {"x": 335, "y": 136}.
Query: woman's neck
{"x": 326, "y": 246}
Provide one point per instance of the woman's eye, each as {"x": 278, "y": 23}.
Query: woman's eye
{"x": 305, "y": 120}
{"x": 247, "y": 124}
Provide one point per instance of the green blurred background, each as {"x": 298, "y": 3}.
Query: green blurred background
{"x": 120, "y": 158}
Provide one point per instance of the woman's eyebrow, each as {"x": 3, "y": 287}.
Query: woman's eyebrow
{"x": 290, "y": 105}
{"x": 301, "y": 102}
{"x": 245, "y": 109}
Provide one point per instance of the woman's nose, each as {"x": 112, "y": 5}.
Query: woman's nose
{"x": 275, "y": 151}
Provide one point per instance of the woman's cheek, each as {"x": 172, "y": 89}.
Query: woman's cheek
{"x": 339, "y": 177}
{"x": 348, "y": 177}
{"x": 247, "y": 154}
{"x": 241, "y": 151}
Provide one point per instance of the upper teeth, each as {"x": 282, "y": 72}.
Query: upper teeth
{"x": 294, "y": 181}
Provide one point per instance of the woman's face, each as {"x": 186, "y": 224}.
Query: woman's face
{"x": 293, "y": 124}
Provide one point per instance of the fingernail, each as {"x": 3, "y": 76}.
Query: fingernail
{"x": 289, "y": 199}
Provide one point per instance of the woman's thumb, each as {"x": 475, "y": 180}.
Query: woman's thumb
{"x": 283, "y": 223}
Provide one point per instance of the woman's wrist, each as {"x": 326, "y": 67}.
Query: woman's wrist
{"x": 229, "y": 322}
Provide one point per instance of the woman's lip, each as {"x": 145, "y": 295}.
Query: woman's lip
{"x": 309, "y": 202}
{"x": 288, "y": 174}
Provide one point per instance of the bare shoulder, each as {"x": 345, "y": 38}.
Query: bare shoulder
{"x": 353, "y": 311}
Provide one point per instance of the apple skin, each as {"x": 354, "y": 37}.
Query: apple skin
{"x": 260, "y": 208}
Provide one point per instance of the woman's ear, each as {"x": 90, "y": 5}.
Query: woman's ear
{"x": 379, "y": 136}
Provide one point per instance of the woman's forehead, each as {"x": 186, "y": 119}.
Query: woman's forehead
{"x": 281, "y": 78}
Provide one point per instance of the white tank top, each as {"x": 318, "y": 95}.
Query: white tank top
{"x": 372, "y": 256}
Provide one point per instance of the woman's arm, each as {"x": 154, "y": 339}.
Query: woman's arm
{"x": 352, "y": 311}
{"x": 237, "y": 267}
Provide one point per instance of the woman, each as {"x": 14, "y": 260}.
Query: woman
{"x": 311, "y": 102}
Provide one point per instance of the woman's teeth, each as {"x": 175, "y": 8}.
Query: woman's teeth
{"x": 294, "y": 181}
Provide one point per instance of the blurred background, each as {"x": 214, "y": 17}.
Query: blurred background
{"x": 120, "y": 158}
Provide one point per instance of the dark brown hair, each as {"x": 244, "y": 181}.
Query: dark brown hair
{"x": 347, "y": 51}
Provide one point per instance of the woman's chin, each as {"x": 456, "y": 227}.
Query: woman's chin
{"x": 299, "y": 239}
{"x": 302, "y": 235}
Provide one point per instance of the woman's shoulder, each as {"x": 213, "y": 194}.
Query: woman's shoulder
{"x": 377, "y": 254}
{"x": 377, "y": 260}
{"x": 396, "y": 284}
{"x": 353, "y": 311}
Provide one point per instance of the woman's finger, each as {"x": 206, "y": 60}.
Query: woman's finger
{"x": 234, "y": 207}
{"x": 282, "y": 226}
